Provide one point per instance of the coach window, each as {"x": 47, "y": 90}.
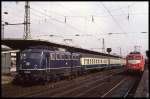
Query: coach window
{"x": 87, "y": 61}
{"x": 84, "y": 61}
{"x": 57, "y": 56}
{"x": 77, "y": 57}
{"x": 105, "y": 61}
{"x": 73, "y": 57}
{"x": 66, "y": 57}
{"x": 69, "y": 56}
{"x": 63, "y": 56}
{"x": 52, "y": 56}
{"x": 60, "y": 56}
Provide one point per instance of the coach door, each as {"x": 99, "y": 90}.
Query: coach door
{"x": 45, "y": 61}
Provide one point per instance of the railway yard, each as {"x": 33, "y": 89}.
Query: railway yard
{"x": 105, "y": 83}
{"x": 74, "y": 49}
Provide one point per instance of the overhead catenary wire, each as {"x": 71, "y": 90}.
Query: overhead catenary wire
{"x": 90, "y": 16}
{"x": 65, "y": 21}
{"x": 52, "y": 12}
{"x": 125, "y": 7}
{"x": 57, "y": 20}
{"x": 113, "y": 17}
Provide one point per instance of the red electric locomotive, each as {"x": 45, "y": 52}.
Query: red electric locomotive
{"x": 135, "y": 62}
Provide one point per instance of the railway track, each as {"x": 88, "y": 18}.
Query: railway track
{"x": 110, "y": 83}
{"x": 75, "y": 86}
{"x": 9, "y": 90}
{"x": 125, "y": 88}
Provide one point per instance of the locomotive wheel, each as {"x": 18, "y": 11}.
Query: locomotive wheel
{"x": 57, "y": 78}
{"x": 47, "y": 79}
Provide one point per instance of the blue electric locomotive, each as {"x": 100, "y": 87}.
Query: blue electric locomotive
{"x": 44, "y": 64}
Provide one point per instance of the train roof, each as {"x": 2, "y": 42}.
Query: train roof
{"x": 135, "y": 52}
{"x": 46, "y": 50}
{"x": 134, "y": 55}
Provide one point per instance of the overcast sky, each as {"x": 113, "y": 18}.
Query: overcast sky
{"x": 91, "y": 20}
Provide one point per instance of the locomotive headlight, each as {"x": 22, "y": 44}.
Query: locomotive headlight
{"x": 66, "y": 63}
{"x": 27, "y": 63}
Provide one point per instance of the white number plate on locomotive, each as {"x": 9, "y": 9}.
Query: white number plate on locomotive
{"x": 27, "y": 71}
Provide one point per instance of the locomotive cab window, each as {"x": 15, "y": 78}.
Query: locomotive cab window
{"x": 73, "y": 57}
{"x": 130, "y": 58}
{"x": 138, "y": 57}
{"x": 33, "y": 55}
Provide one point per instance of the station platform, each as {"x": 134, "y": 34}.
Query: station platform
{"x": 143, "y": 87}
{"x": 6, "y": 79}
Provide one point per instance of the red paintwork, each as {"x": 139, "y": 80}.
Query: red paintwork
{"x": 136, "y": 66}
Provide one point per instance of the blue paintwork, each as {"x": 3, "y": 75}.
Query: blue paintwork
{"x": 63, "y": 63}
{"x": 57, "y": 63}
